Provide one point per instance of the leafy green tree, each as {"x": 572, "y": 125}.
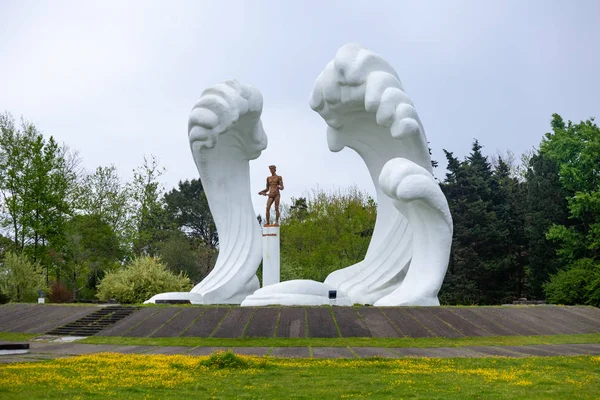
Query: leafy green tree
{"x": 141, "y": 279}
{"x": 546, "y": 205}
{"x": 91, "y": 249}
{"x": 6, "y": 245}
{"x": 47, "y": 208}
{"x": 299, "y": 209}
{"x": 517, "y": 166}
{"x": 12, "y": 163}
{"x": 190, "y": 255}
{"x": 290, "y": 269}
{"x": 149, "y": 214}
{"x": 187, "y": 208}
{"x": 577, "y": 284}
{"x": 35, "y": 181}
{"x": 103, "y": 194}
{"x": 20, "y": 279}
{"x": 575, "y": 148}
{"x": 333, "y": 231}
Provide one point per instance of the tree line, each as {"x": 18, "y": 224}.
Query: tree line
{"x": 522, "y": 228}
{"x": 526, "y": 228}
{"x": 74, "y": 226}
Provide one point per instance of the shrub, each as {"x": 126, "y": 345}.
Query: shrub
{"x": 20, "y": 279}
{"x": 141, "y": 279}
{"x": 593, "y": 290}
{"x": 326, "y": 232}
{"x": 579, "y": 284}
{"x": 4, "y": 298}
{"x": 59, "y": 293}
{"x": 229, "y": 360}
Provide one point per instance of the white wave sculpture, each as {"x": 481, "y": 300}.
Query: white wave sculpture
{"x": 419, "y": 198}
{"x": 225, "y": 133}
{"x": 360, "y": 97}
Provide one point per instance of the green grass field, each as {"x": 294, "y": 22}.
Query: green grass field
{"x": 226, "y": 376}
{"x": 17, "y": 337}
{"x": 343, "y": 342}
{"x": 328, "y": 342}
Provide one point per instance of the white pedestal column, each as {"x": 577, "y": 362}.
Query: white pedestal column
{"x": 270, "y": 264}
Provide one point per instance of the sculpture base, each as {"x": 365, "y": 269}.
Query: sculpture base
{"x": 191, "y": 297}
{"x": 271, "y": 255}
{"x": 299, "y": 292}
{"x": 169, "y": 301}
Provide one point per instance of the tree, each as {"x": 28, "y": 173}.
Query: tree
{"x": 486, "y": 261}
{"x": 190, "y": 255}
{"x": 517, "y": 166}
{"x": 187, "y": 209}
{"x": 299, "y": 209}
{"x": 12, "y": 163}
{"x": 434, "y": 163}
{"x": 575, "y": 148}
{"x": 104, "y": 195}
{"x": 35, "y": 181}
{"x": 20, "y": 279}
{"x": 46, "y": 207}
{"x": 333, "y": 231}
{"x": 149, "y": 215}
{"x": 546, "y": 205}
{"x": 460, "y": 286}
{"x": 91, "y": 249}
{"x": 6, "y": 245}
{"x": 509, "y": 207}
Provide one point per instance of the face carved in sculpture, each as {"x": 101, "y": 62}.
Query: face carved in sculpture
{"x": 274, "y": 185}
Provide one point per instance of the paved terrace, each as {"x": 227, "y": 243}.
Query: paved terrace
{"x": 314, "y": 322}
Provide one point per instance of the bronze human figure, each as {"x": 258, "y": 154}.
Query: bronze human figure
{"x": 274, "y": 185}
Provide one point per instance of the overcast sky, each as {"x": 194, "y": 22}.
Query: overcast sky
{"x": 116, "y": 80}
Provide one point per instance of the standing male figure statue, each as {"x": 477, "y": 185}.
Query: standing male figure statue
{"x": 274, "y": 185}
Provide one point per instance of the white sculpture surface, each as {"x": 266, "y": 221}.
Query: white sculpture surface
{"x": 293, "y": 293}
{"x": 225, "y": 132}
{"x": 360, "y": 97}
{"x": 271, "y": 267}
{"x": 418, "y": 197}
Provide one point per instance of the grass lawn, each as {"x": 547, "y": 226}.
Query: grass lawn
{"x": 327, "y": 342}
{"x": 17, "y": 337}
{"x": 225, "y": 376}
{"x": 343, "y": 342}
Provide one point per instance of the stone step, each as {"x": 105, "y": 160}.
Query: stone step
{"x": 89, "y": 328}
{"x": 95, "y": 322}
